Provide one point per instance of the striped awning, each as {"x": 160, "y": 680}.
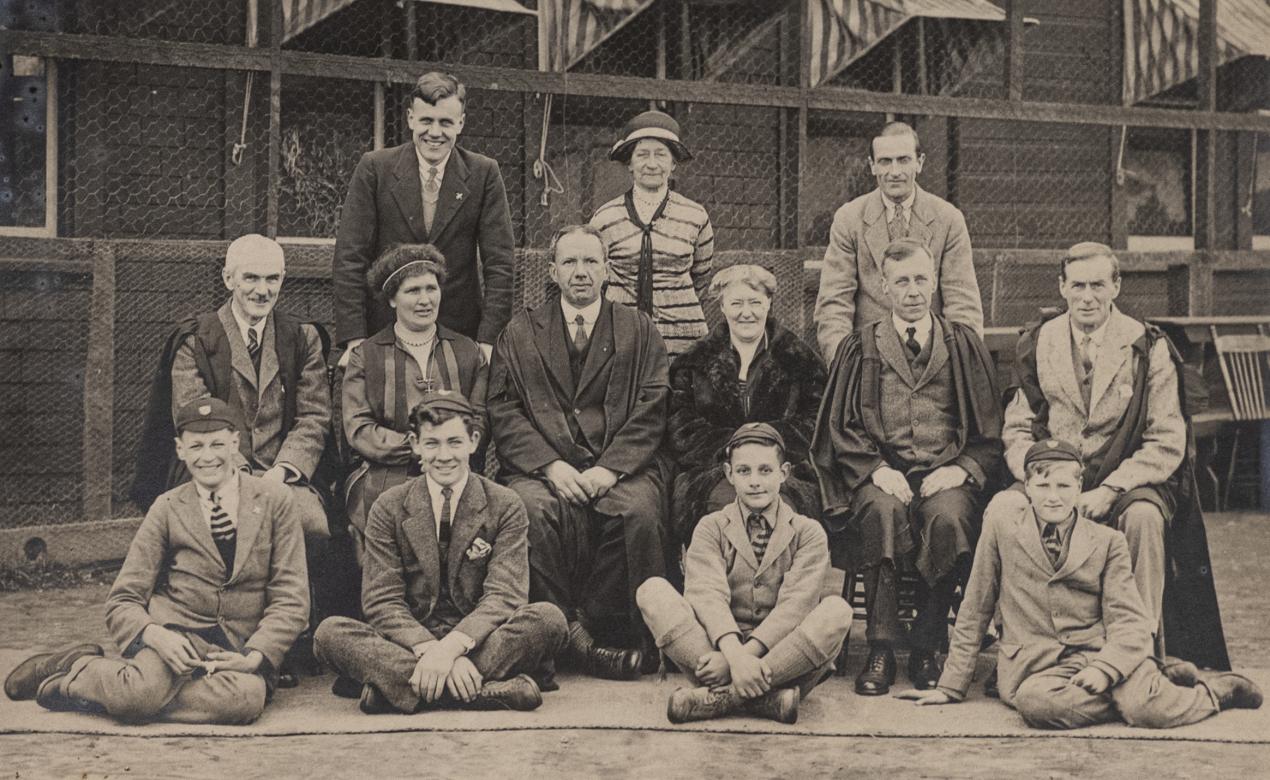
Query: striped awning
{"x": 569, "y": 30}
{"x": 1161, "y": 41}
{"x": 300, "y": 15}
{"x": 841, "y": 31}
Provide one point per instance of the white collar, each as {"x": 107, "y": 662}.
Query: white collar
{"x": 1096, "y": 336}
{"x": 424, "y": 165}
{"x": 226, "y": 493}
{"x": 244, "y": 326}
{"x": 434, "y": 492}
{"x": 590, "y": 313}
{"x": 923, "y": 326}
{"x": 907, "y": 203}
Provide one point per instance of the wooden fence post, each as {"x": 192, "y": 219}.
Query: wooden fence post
{"x": 99, "y": 386}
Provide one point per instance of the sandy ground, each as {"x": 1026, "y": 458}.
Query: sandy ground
{"x": 37, "y": 620}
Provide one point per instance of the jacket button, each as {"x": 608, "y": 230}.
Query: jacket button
{"x": 577, "y": 411}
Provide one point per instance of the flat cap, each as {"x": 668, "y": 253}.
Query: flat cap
{"x": 204, "y": 415}
{"x": 446, "y": 400}
{"x": 1051, "y": 449}
{"x": 755, "y": 433}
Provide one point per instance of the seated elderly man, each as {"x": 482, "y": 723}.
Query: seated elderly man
{"x": 908, "y": 438}
{"x": 210, "y": 596}
{"x": 1109, "y": 384}
{"x": 271, "y": 368}
{"x": 577, "y": 402}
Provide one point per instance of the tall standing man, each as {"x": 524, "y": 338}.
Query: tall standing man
{"x": 851, "y": 292}
{"x": 428, "y": 191}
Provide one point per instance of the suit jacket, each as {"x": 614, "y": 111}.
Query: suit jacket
{"x": 851, "y": 279}
{"x": 384, "y": 208}
{"x": 731, "y": 592}
{"x": 264, "y": 444}
{"x": 174, "y": 575}
{"x": 1090, "y": 603}
{"x": 1164, "y": 437}
{"x": 401, "y": 579}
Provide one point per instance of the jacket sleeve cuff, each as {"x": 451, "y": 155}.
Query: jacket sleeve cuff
{"x": 1112, "y": 672}
{"x": 955, "y": 695}
{"x": 972, "y": 468}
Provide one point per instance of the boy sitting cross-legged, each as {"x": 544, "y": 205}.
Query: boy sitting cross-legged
{"x": 1075, "y": 637}
{"x": 751, "y": 628}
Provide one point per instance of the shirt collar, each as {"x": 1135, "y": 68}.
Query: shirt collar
{"x": 434, "y": 490}
{"x": 1096, "y": 337}
{"x": 769, "y": 515}
{"x": 244, "y": 326}
{"x": 425, "y": 165}
{"x": 1064, "y": 528}
{"x": 590, "y": 313}
{"x": 225, "y": 492}
{"x": 907, "y": 202}
{"x": 924, "y": 327}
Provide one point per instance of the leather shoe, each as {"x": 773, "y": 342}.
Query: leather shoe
{"x": 689, "y": 704}
{"x": 373, "y": 702}
{"x": 52, "y": 696}
{"x": 778, "y": 704}
{"x": 287, "y": 677}
{"x": 990, "y": 687}
{"x": 924, "y": 669}
{"x": 24, "y": 681}
{"x": 1179, "y": 672}
{"x": 607, "y": 663}
{"x": 346, "y": 687}
{"x": 518, "y": 693}
{"x": 1233, "y": 691}
{"x": 878, "y": 674}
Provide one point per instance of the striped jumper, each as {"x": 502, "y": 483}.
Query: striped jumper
{"x": 683, "y": 252}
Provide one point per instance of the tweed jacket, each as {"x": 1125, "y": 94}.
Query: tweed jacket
{"x": 851, "y": 280}
{"x": 1090, "y": 603}
{"x": 174, "y": 575}
{"x": 384, "y": 208}
{"x": 731, "y": 592}
{"x": 1163, "y": 440}
{"x": 487, "y": 565}
{"x": 264, "y": 443}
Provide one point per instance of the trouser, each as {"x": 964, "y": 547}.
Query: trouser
{"x": 946, "y": 526}
{"x": 804, "y": 658}
{"x": 532, "y": 636}
{"x": 589, "y": 560}
{"x": 1146, "y": 698}
{"x": 143, "y": 688}
{"x": 1142, "y": 524}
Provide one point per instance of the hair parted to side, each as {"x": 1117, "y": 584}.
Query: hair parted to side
{"x": 1086, "y": 250}
{"x": 435, "y": 86}
{"x": 902, "y": 249}
{"x": 756, "y": 277}
{"x": 569, "y": 230}
{"x": 383, "y": 277}
{"x": 424, "y": 415}
{"x": 1042, "y": 468}
{"x": 897, "y": 128}
{"x": 728, "y": 449}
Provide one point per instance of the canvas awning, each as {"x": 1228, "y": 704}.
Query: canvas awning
{"x": 1161, "y": 41}
{"x": 300, "y": 15}
{"x": 569, "y": 30}
{"x": 842, "y": 31}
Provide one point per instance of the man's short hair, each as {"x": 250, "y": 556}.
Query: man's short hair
{"x": 422, "y": 414}
{"x": 435, "y": 86}
{"x": 896, "y": 128}
{"x": 569, "y": 230}
{"x": 1086, "y": 250}
{"x": 249, "y": 246}
{"x": 388, "y": 273}
{"x": 902, "y": 249}
{"x": 757, "y": 277}
{"x": 1042, "y": 468}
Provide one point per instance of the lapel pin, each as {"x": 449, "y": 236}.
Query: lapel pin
{"x": 458, "y": 196}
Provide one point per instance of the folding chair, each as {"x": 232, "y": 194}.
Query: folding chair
{"x": 1244, "y": 359}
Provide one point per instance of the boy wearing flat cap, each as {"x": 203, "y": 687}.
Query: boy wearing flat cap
{"x": 212, "y": 593}
{"x": 1076, "y": 637}
{"x": 752, "y": 629}
{"x": 445, "y": 586}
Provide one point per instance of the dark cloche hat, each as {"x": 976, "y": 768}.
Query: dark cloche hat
{"x": 650, "y": 124}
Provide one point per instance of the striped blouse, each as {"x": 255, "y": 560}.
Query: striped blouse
{"x": 683, "y": 252}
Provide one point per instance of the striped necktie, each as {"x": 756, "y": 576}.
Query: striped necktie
{"x": 1053, "y": 544}
{"x": 253, "y": 347}
{"x": 222, "y": 528}
{"x": 1086, "y": 368}
{"x": 760, "y": 534}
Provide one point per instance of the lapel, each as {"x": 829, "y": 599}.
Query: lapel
{"x": 920, "y": 220}
{"x": 892, "y": 351}
{"x": 1117, "y": 346}
{"x": 466, "y": 523}
{"x": 1029, "y": 538}
{"x": 190, "y": 515}
{"x": 450, "y": 198}
{"x": 601, "y": 349}
{"x": 938, "y": 354}
{"x": 250, "y": 518}
{"x": 268, "y": 353}
{"x": 238, "y": 356}
{"x": 875, "y": 235}
{"x": 1054, "y": 347}
{"x": 735, "y": 532}
{"x": 420, "y": 528}
{"x": 408, "y": 191}
{"x": 548, "y": 329}
{"x": 1079, "y": 548}
{"x": 782, "y": 535}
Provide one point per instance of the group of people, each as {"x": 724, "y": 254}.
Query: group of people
{"x": 665, "y": 493}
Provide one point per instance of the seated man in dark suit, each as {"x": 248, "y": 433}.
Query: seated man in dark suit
{"x": 445, "y": 586}
{"x": 577, "y": 401}
{"x": 211, "y": 595}
{"x": 909, "y": 436}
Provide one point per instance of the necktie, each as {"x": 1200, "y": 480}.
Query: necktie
{"x": 760, "y": 533}
{"x": 1086, "y": 368}
{"x": 898, "y": 226}
{"x": 1053, "y": 544}
{"x": 443, "y": 531}
{"x": 253, "y": 347}
{"x": 911, "y": 341}
{"x": 580, "y": 339}
{"x": 222, "y": 528}
{"x": 431, "y": 193}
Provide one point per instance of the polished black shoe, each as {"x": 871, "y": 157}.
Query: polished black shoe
{"x": 990, "y": 688}
{"x": 346, "y": 688}
{"x": 1179, "y": 672}
{"x": 1233, "y": 691}
{"x": 52, "y": 696}
{"x": 878, "y": 674}
{"x": 924, "y": 669}
{"x": 287, "y": 676}
{"x": 24, "y": 681}
{"x": 373, "y": 702}
{"x": 519, "y": 693}
{"x": 607, "y": 663}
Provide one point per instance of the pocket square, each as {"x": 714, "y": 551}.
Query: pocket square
{"x": 479, "y": 549}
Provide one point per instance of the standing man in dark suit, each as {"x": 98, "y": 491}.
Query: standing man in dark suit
{"x": 851, "y": 294}
{"x": 577, "y": 401}
{"x": 428, "y": 191}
